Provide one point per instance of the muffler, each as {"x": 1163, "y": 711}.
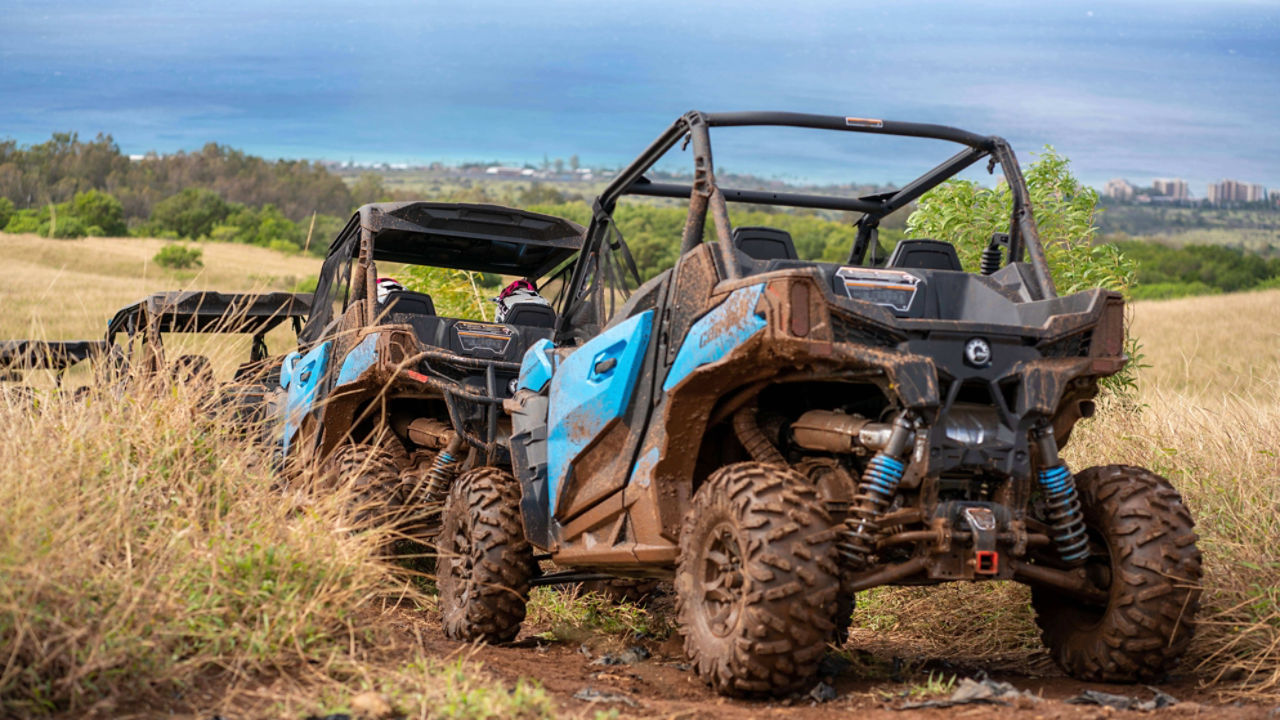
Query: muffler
{"x": 837, "y": 432}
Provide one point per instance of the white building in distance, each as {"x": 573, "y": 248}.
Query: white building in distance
{"x": 1175, "y": 188}
{"x": 1119, "y": 189}
{"x": 1233, "y": 191}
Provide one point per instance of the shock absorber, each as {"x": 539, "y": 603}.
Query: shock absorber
{"x": 1066, "y": 522}
{"x": 876, "y": 488}
{"x": 444, "y": 467}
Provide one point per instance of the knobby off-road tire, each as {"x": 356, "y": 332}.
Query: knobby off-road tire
{"x": 372, "y": 475}
{"x": 1142, "y": 543}
{"x": 756, "y": 582}
{"x": 485, "y": 562}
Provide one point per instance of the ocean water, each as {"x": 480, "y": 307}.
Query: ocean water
{"x": 1131, "y": 89}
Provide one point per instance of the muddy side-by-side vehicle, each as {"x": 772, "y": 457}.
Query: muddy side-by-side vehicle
{"x": 779, "y": 434}
{"x": 393, "y": 399}
{"x": 138, "y": 332}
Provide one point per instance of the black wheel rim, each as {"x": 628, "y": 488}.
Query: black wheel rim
{"x": 723, "y": 580}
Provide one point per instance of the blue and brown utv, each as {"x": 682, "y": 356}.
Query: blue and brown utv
{"x": 778, "y": 434}
{"x": 392, "y": 399}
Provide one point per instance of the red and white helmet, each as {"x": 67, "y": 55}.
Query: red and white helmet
{"x": 386, "y": 286}
{"x": 520, "y": 291}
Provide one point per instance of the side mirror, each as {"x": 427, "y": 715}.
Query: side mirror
{"x": 286, "y": 368}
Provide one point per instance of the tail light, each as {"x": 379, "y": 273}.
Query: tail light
{"x": 800, "y": 309}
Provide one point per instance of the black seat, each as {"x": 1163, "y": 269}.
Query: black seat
{"x": 764, "y": 243}
{"x": 925, "y": 255}
{"x": 530, "y": 314}
{"x": 407, "y": 302}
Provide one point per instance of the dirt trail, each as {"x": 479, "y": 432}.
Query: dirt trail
{"x": 663, "y": 686}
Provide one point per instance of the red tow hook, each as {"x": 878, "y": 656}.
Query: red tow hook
{"x": 986, "y": 562}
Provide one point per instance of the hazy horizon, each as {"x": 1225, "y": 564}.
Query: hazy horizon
{"x": 1136, "y": 90}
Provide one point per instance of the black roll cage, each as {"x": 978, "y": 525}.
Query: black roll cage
{"x": 349, "y": 263}
{"x": 207, "y": 311}
{"x": 704, "y": 193}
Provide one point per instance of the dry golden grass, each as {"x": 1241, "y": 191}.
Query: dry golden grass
{"x": 1211, "y": 346}
{"x": 1221, "y": 454}
{"x": 146, "y": 549}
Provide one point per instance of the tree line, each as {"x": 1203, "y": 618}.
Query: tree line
{"x": 70, "y": 187}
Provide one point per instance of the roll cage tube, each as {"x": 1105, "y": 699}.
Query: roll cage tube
{"x": 704, "y": 193}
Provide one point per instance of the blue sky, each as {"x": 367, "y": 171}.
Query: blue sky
{"x": 1134, "y": 89}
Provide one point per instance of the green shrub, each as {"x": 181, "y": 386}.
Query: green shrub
{"x": 261, "y": 226}
{"x": 68, "y": 226}
{"x": 6, "y": 210}
{"x": 23, "y": 221}
{"x": 457, "y": 293}
{"x": 178, "y": 257}
{"x": 224, "y": 233}
{"x": 191, "y": 213}
{"x": 284, "y": 246}
{"x": 95, "y": 208}
{"x": 964, "y": 213}
{"x": 1223, "y": 268}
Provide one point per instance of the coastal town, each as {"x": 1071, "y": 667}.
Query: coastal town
{"x": 1176, "y": 191}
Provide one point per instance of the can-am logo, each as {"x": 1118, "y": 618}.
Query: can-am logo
{"x": 977, "y": 352}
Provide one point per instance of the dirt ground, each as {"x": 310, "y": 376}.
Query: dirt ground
{"x": 663, "y": 686}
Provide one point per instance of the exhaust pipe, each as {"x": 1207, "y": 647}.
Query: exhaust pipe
{"x": 836, "y": 432}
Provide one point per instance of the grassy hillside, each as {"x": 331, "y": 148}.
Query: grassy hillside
{"x": 69, "y": 289}
{"x": 1207, "y": 348}
{"x": 66, "y": 289}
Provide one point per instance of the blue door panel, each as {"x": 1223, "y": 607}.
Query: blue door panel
{"x": 714, "y": 335}
{"x": 361, "y": 358}
{"x": 304, "y": 382}
{"x": 591, "y": 388}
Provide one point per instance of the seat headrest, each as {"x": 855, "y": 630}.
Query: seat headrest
{"x": 408, "y": 301}
{"x": 925, "y": 255}
{"x": 531, "y": 315}
{"x": 764, "y": 243}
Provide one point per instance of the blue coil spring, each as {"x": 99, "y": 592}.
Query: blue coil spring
{"x": 875, "y": 492}
{"x": 440, "y": 475}
{"x": 882, "y": 476}
{"x": 1065, "y": 518}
